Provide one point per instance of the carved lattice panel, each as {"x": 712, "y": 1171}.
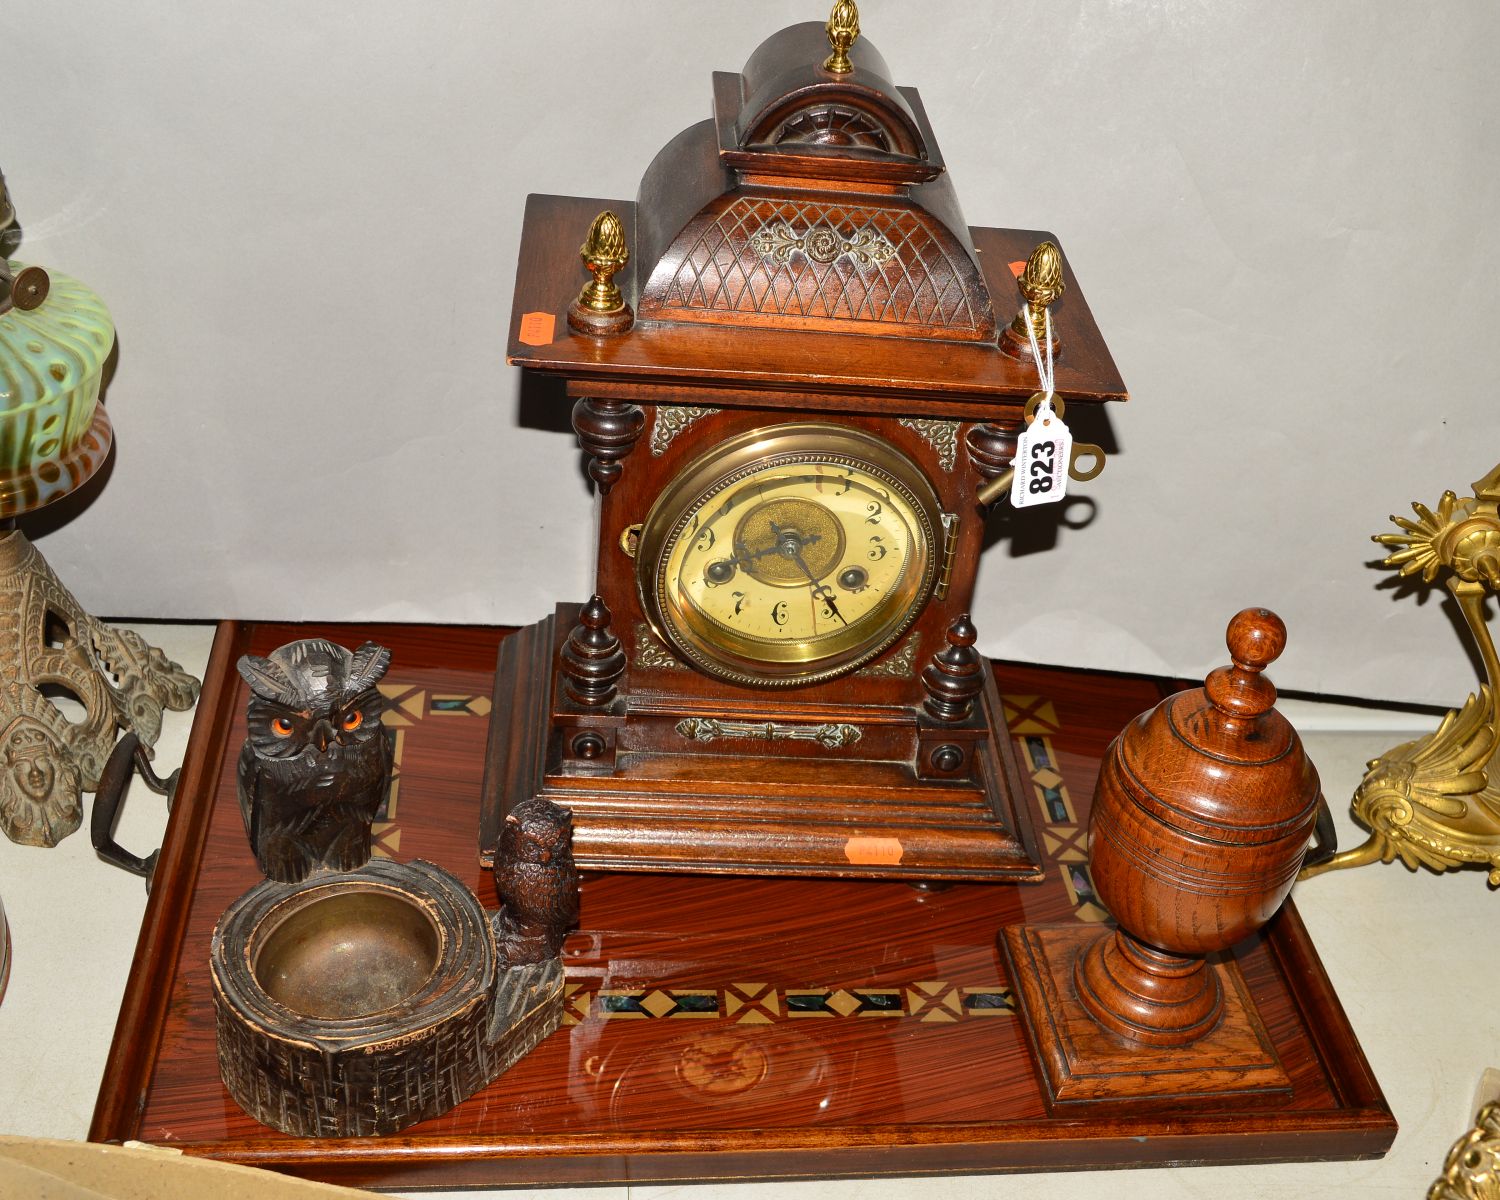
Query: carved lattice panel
{"x": 862, "y": 268}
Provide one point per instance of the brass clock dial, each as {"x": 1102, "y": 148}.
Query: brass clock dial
{"x": 791, "y": 554}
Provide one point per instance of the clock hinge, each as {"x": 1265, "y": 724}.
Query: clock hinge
{"x": 950, "y": 551}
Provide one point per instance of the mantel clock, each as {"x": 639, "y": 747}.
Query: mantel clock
{"x": 794, "y": 371}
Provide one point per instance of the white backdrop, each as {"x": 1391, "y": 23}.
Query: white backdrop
{"x": 305, "y": 219}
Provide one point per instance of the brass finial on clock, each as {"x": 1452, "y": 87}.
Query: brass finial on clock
{"x": 1041, "y": 284}
{"x": 843, "y": 30}
{"x": 600, "y": 308}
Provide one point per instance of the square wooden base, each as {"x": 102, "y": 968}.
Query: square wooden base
{"x": 1083, "y": 1065}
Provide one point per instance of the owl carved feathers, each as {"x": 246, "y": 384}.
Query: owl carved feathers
{"x": 537, "y": 882}
{"x": 316, "y": 762}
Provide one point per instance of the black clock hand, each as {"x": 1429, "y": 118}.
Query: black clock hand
{"x": 792, "y": 547}
{"x": 745, "y": 558}
{"x": 822, "y": 592}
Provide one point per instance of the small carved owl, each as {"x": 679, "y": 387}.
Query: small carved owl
{"x": 316, "y": 762}
{"x": 537, "y": 882}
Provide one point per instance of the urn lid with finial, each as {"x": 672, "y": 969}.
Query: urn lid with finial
{"x": 1220, "y": 761}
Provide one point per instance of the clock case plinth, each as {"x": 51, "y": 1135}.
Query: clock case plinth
{"x": 738, "y": 803}
{"x": 736, "y": 329}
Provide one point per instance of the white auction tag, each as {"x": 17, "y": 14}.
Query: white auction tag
{"x": 1042, "y": 454}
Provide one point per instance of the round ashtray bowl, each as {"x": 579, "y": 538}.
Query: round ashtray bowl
{"x": 347, "y": 952}
{"x": 355, "y": 1003}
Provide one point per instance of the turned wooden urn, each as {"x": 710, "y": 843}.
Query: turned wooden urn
{"x": 1203, "y": 812}
{"x": 1202, "y": 815}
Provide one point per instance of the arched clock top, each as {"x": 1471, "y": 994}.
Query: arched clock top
{"x": 814, "y": 200}
{"x": 789, "y": 103}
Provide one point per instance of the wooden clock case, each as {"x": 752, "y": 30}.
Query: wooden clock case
{"x": 798, "y": 257}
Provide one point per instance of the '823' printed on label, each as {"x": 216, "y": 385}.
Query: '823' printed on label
{"x": 1042, "y": 454}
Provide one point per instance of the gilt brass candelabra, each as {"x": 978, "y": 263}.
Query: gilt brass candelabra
{"x": 1433, "y": 802}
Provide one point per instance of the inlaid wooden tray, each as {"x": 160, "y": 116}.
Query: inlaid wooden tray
{"x": 717, "y": 1028}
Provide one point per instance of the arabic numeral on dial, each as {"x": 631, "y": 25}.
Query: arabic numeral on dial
{"x": 877, "y": 548}
{"x": 740, "y": 600}
{"x": 779, "y": 614}
{"x": 874, "y": 509}
{"x": 706, "y": 542}
{"x": 828, "y": 613}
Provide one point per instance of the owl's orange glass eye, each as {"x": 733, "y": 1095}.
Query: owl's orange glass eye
{"x": 353, "y": 720}
{"x": 281, "y": 727}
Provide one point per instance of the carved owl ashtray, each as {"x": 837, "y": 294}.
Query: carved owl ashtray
{"x": 357, "y": 996}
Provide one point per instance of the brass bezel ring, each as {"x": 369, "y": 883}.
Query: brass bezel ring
{"x": 753, "y": 662}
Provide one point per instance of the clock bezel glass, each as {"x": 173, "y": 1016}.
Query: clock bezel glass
{"x": 790, "y": 662}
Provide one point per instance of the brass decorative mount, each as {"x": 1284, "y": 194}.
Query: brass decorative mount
{"x": 1472, "y": 1169}
{"x": 1434, "y": 802}
{"x": 831, "y": 736}
{"x": 843, "y": 30}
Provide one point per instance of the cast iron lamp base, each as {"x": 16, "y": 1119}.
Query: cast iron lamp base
{"x": 51, "y": 649}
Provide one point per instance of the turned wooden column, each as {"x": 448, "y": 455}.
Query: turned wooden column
{"x": 592, "y": 661}
{"x": 607, "y": 432}
{"x": 992, "y": 445}
{"x": 955, "y": 676}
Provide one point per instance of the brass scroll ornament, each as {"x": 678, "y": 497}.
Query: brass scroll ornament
{"x": 822, "y": 245}
{"x": 1433, "y": 802}
{"x": 832, "y": 736}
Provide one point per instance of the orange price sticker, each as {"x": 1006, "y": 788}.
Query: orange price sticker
{"x": 1017, "y": 267}
{"x": 873, "y": 851}
{"x": 537, "y": 328}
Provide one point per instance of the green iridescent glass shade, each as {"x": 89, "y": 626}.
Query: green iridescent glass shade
{"x": 51, "y": 359}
